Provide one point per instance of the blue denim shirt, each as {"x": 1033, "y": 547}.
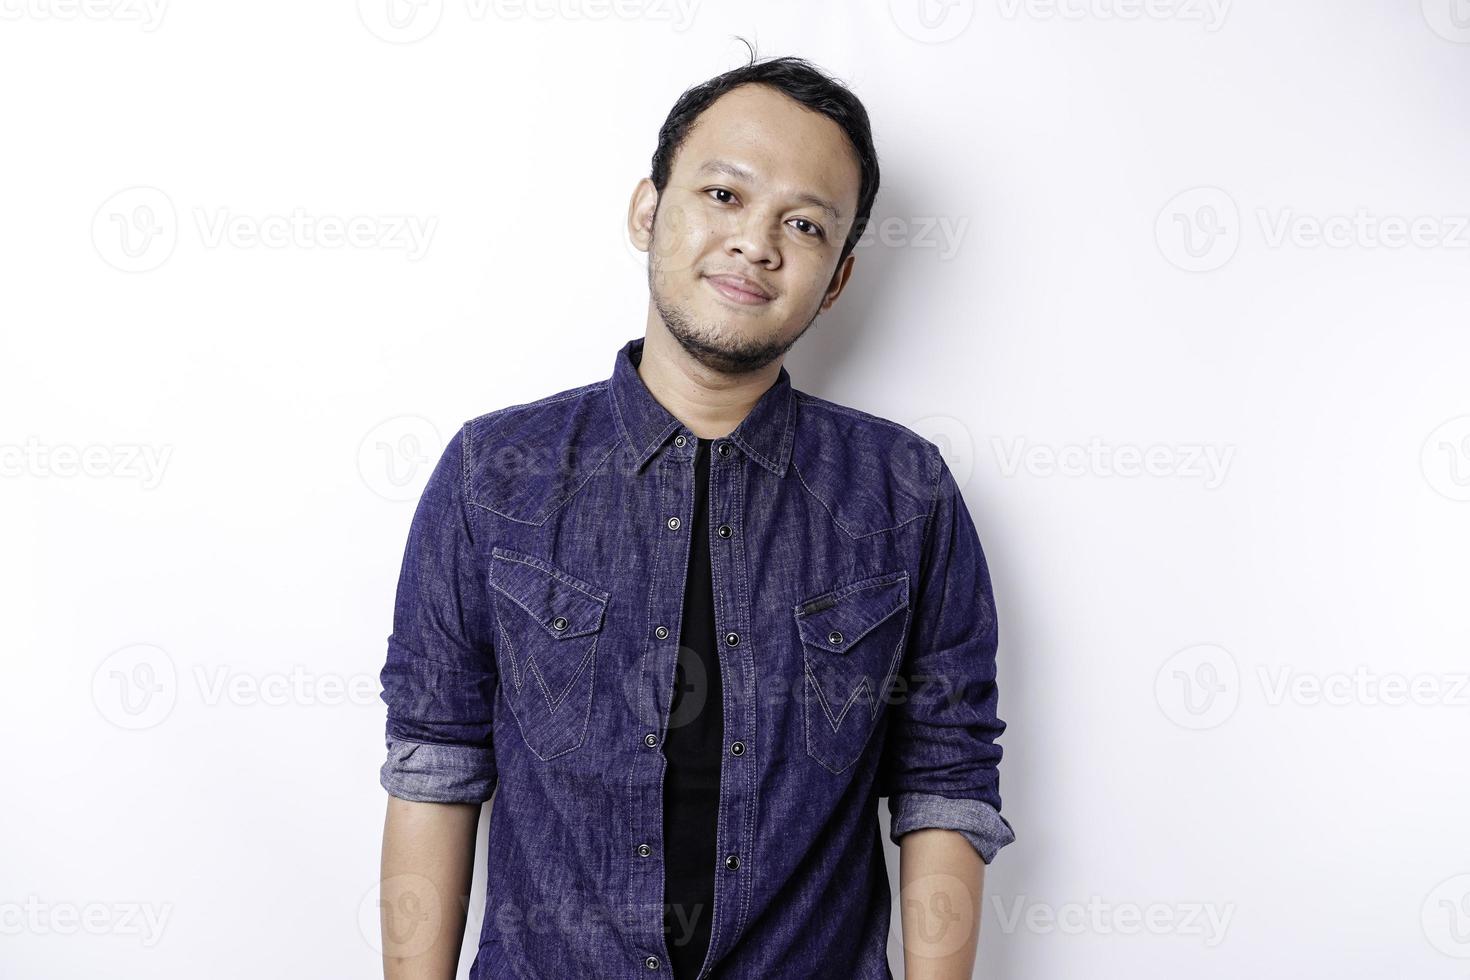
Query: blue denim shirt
{"x": 533, "y": 652}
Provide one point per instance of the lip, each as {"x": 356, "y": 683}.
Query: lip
{"x": 738, "y": 290}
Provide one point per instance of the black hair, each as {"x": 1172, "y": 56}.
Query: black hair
{"x": 798, "y": 79}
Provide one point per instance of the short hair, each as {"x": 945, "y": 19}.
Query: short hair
{"x": 800, "y": 80}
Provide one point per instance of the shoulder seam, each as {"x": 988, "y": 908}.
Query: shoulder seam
{"x": 857, "y": 413}
{"x": 551, "y": 399}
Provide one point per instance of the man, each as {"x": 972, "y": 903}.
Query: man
{"x": 689, "y": 623}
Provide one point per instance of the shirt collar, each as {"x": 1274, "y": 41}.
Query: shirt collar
{"x": 765, "y": 433}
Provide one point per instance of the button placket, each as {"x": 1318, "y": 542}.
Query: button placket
{"x": 659, "y": 666}
{"x": 726, "y": 498}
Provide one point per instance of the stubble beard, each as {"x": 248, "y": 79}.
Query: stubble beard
{"x": 705, "y": 343}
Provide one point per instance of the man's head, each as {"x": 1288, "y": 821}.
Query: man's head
{"x": 763, "y": 180}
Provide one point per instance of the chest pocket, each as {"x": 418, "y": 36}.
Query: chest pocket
{"x": 550, "y": 621}
{"x": 852, "y": 640}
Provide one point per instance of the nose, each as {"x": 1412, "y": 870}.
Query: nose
{"x": 753, "y": 239}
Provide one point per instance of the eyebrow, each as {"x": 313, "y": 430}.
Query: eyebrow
{"x": 742, "y": 173}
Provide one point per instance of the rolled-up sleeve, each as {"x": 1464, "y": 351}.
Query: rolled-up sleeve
{"x": 940, "y": 763}
{"x": 439, "y": 681}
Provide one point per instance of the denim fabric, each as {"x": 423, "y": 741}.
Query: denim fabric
{"x": 533, "y": 653}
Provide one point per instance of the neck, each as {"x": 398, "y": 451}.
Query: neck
{"x": 711, "y": 404}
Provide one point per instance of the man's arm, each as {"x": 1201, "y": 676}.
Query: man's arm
{"x": 440, "y": 686}
{"x": 940, "y": 765}
{"x": 941, "y": 881}
{"x": 428, "y": 861}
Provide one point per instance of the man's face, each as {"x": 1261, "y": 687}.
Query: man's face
{"x": 744, "y": 245}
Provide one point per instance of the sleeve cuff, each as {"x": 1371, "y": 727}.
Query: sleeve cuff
{"x": 428, "y": 773}
{"x": 980, "y": 823}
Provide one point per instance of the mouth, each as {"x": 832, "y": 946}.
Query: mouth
{"x": 738, "y": 289}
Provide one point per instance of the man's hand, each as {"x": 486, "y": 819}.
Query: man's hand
{"x": 428, "y": 861}
{"x": 941, "y": 883}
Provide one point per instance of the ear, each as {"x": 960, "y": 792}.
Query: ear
{"x": 640, "y": 214}
{"x": 838, "y": 283}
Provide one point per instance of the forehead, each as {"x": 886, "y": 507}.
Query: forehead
{"x": 786, "y": 147}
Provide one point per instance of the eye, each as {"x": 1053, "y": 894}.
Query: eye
{"x": 815, "y": 230}
{"x": 721, "y": 190}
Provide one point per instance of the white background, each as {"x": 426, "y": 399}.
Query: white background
{"x": 1236, "y": 694}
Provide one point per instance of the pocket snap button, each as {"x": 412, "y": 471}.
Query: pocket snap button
{"x": 559, "y": 623}
{"x": 834, "y": 638}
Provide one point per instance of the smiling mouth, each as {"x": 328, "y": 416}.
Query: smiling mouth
{"x": 737, "y": 291}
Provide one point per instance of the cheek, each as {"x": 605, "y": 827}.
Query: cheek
{"x": 679, "y": 244}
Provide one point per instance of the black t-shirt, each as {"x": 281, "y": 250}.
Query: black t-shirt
{"x": 693, "y": 749}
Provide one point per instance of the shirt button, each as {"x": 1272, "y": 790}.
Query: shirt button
{"x": 650, "y": 739}
{"x": 726, "y": 530}
{"x": 559, "y": 623}
{"x": 732, "y": 638}
{"x": 834, "y": 638}
{"x": 673, "y": 526}
{"x": 651, "y": 962}
{"x": 732, "y": 862}
{"x": 679, "y": 441}
{"x": 662, "y": 632}
{"x": 723, "y": 449}
{"x": 737, "y": 748}
{"x": 644, "y": 850}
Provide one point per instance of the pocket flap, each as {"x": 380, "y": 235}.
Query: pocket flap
{"x": 549, "y": 595}
{"x": 835, "y": 620}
